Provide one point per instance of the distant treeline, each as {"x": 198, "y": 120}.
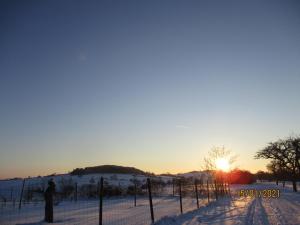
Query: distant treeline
{"x": 108, "y": 169}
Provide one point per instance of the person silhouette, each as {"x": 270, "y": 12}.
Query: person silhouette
{"x": 49, "y": 201}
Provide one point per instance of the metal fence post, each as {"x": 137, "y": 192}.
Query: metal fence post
{"x": 75, "y": 192}
{"x": 207, "y": 186}
{"x": 98, "y": 189}
{"x": 101, "y": 201}
{"x": 196, "y": 191}
{"x": 216, "y": 190}
{"x": 11, "y": 194}
{"x": 135, "y": 194}
{"x": 221, "y": 188}
{"x": 150, "y": 199}
{"x": 21, "y": 194}
{"x": 180, "y": 196}
{"x": 173, "y": 187}
{"x": 229, "y": 192}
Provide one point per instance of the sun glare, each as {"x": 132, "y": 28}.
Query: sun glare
{"x": 222, "y": 164}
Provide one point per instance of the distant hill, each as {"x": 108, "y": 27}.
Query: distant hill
{"x": 108, "y": 169}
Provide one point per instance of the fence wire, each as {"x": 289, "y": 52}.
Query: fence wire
{"x": 80, "y": 204}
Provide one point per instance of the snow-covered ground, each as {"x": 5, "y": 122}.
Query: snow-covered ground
{"x": 116, "y": 211}
{"x": 284, "y": 210}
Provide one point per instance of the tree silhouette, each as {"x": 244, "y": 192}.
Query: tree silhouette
{"x": 285, "y": 158}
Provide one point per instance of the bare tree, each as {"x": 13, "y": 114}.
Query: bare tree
{"x": 217, "y": 153}
{"x": 210, "y": 162}
{"x": 278, "y": 170}
{"x": 294, "y": 144}
{"x": 284, "y": 156}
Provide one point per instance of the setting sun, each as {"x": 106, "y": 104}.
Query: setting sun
{"x": 222, "y": 164}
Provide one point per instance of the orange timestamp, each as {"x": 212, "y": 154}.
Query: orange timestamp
{"x": 263, "y": 193}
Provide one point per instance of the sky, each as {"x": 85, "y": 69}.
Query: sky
{"x": 149, "y": 84}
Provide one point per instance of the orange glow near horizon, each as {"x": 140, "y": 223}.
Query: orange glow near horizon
{"x": 173, "y": 169}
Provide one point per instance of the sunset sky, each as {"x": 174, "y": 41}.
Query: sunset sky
{"x": 150, "y": 84}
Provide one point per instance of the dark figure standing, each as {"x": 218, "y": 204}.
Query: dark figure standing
{"x": 49, "y": 201}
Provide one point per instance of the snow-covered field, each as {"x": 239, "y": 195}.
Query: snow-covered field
{"x": 115, "y": 211}
{"x": 121, "y": 210}
{"x": 10, "y": 190}
{"x": 123, "y": 180}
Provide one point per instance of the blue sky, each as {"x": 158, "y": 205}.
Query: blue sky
{"x": 151, "y": 84}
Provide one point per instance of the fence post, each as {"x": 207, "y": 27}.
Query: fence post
{"x": 173, "y": 187}
{"x": 98, "y": 189}
{"x": 196, "y": 191}
{"x": 222, "y": 188}
{"x": 100, "y": 201}
{"x": 49, "y": 201}
{"x": 11, "y": 193}
{"x": 135, "y": 194}
{"x": 216, "y": 190}
{"x": 21, "y": 193}
{"x": 207, "y": 186}
{"x": 150, "y": 199}
{"x": 227, "y": 189}
{"x": 75, "y": 192}
{"x": 180, "y": 196}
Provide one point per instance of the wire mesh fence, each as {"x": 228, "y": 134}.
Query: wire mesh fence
{"x": 101, "y": 202}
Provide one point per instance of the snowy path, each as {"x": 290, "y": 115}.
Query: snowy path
{"x": 259, "y": 211}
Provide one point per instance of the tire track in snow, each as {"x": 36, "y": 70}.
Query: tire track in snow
{"x": 256, "y": 213}
{"x": 283, "y": 211}
{"x": 250, "y": 213}
{"x": 246, "y": 211}
{"x": 274, "y": 215}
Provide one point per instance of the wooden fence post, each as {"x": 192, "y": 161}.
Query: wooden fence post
{"x": 150, "y": 199}
{"x": 101, "y": 201}
{"x": 21, "y": 194}
{"x": 207, "y": 186}
{"x": 196, "y": 191}
{"x": 49, "y": 201}
{"x": 180, "y": 196}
